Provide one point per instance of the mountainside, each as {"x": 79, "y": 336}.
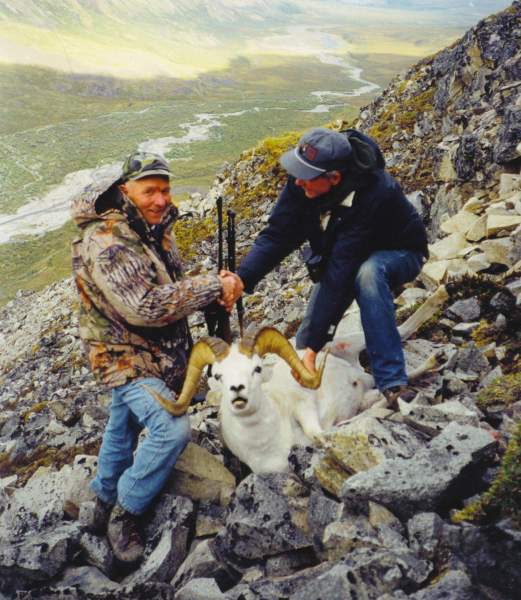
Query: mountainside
{"x": 423, "y": 503}
{"x": 452, "y": 123}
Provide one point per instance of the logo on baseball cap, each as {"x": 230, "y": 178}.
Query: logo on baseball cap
{"x": 318, "y": 151}
{"x": 144, "y": 164}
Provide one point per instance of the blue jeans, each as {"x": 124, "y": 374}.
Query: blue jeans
{"x": 135, "y": 481}
{"x": 376, "y": 277}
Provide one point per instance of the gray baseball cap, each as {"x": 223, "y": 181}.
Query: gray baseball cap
{"x": 318, "y": 151}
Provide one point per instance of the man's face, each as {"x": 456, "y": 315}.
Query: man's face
{"x": 150, "y": 195}
{"x": 313, "y": 188}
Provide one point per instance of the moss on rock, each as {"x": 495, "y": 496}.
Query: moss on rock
{"x": 44, "y": 456}
{"x": 505, "y": 390}
{"x": 503, "y": 498}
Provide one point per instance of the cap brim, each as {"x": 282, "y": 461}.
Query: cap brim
{"x": 298, "y": 167}
{"x": 151, "y": 173}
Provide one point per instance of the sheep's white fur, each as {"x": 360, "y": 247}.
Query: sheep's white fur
{"x": 264, "y": 411}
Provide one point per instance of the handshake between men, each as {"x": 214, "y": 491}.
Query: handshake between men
{"x": 232, "y": 288}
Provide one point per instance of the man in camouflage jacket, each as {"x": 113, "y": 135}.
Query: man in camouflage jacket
{"x": 133, "y": 309}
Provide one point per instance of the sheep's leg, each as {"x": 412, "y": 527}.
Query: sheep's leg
{"x": 306, "y": 415}
{"x": 429, "y": 364}
{"x": 427, "y": 310}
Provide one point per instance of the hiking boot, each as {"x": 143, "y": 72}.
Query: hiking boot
{"x": 124, "y": 536}
{"x": 398, "y": 391}
{"x": 100, "y": 517}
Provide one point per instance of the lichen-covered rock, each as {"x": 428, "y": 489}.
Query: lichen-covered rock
{"x": 201, "y": 563}
{"x": 455, "y": 585}
{"x": 200, "y": 589}
{"x": 201, "y": 476}
{"x": 262, "y": 522}
{"x": 446, "y": 470}
{"x": 37, "y": 559}
{"x": 360, "y": 445}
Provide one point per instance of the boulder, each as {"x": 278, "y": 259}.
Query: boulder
{"x": 97, "y": 552}
{"x": 262, "y": 522}
{"x": 465, "y": 310}
{"x": 167, "y": 534}
{"x": 433, "y": 419}
{"x": 455, "y": 585}
{"x": 200, "y": 589}
{"x": 201, "y": 562}
{"x": 431, "y": 538}
{"x": 498, "y": 251}
{"x": 478, "y": 230}
{"x": 436, "y": 477}
{"x": 499, "y": 223}
{"x": 38, "y": 558}
{"x": 360, "y": 445}
{"x": 199, "y": 475}
{"x": 461, "y": 222}
{"x": 87, "y": 579}
{"x": 448, "y": 247}
{"x": 365, "y": 573}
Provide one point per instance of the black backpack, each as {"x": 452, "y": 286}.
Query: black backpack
{"x": 367, "y": 155}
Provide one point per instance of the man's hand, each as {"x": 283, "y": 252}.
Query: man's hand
{"x": 309, "y": 360}
{"x": 232, "y": 289}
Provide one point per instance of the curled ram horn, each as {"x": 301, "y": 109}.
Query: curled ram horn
{"x": 207, "y": 351}
{"x": 266, "y": 340}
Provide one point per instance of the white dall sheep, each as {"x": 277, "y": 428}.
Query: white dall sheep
{"x": 263, "y": 410}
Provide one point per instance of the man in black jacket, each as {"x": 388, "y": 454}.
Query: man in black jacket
{"x": 365, "y": 239}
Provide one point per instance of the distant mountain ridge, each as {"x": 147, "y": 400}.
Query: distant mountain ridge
{"x": 49, "y": 13}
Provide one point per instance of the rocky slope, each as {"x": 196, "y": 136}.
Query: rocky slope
{"x": 376, "y": 512}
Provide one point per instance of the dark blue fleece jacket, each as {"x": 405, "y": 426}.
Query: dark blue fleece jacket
{"x": 380, "y": 218}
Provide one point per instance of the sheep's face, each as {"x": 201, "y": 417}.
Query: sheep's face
{"x": 238, "y": 378}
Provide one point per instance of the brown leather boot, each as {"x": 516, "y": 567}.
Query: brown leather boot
{"x": 100, "y": 518}
{"x": 124, "y": 536}
{"x": 398, "y": 391}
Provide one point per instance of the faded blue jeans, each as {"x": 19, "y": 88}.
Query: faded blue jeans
{"x": 375, "y": 280}
{"x": 135, "y": 481}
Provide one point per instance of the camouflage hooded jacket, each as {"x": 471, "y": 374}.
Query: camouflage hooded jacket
{"x": 134, "y": 299}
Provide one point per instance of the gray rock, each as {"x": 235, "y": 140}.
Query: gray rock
{"x": 437, "y": 476}
{"x": 290, "y": 562}
{"x": 432, "y": 419}
{"x": 465, "y": 157}
{"x": 165, "y": 558}
{"x": 465, "y": 329}
{"x": 501, "y": 322}
{"x": 504, "y": 301}
{"x": 201, "y": 562}
{"x": 97, "y": 552}
{"x": 40, "y": 557}
{"x": 491, "y": 556}
{"x": 430, "y": 536}
{"x": 468, "y": 359}
{"x": 200, "y": 589}
{"x": 322, "y": 511}
{"x": 489, "y": 378}
{"x": 365, "y": 573}
{"x": 210, "y": 519}
{"x": 88, "y": 579}
{"x": 505, "y": 149}
{"x": 261, "y": 522}
{"x": 455, "y": 585}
